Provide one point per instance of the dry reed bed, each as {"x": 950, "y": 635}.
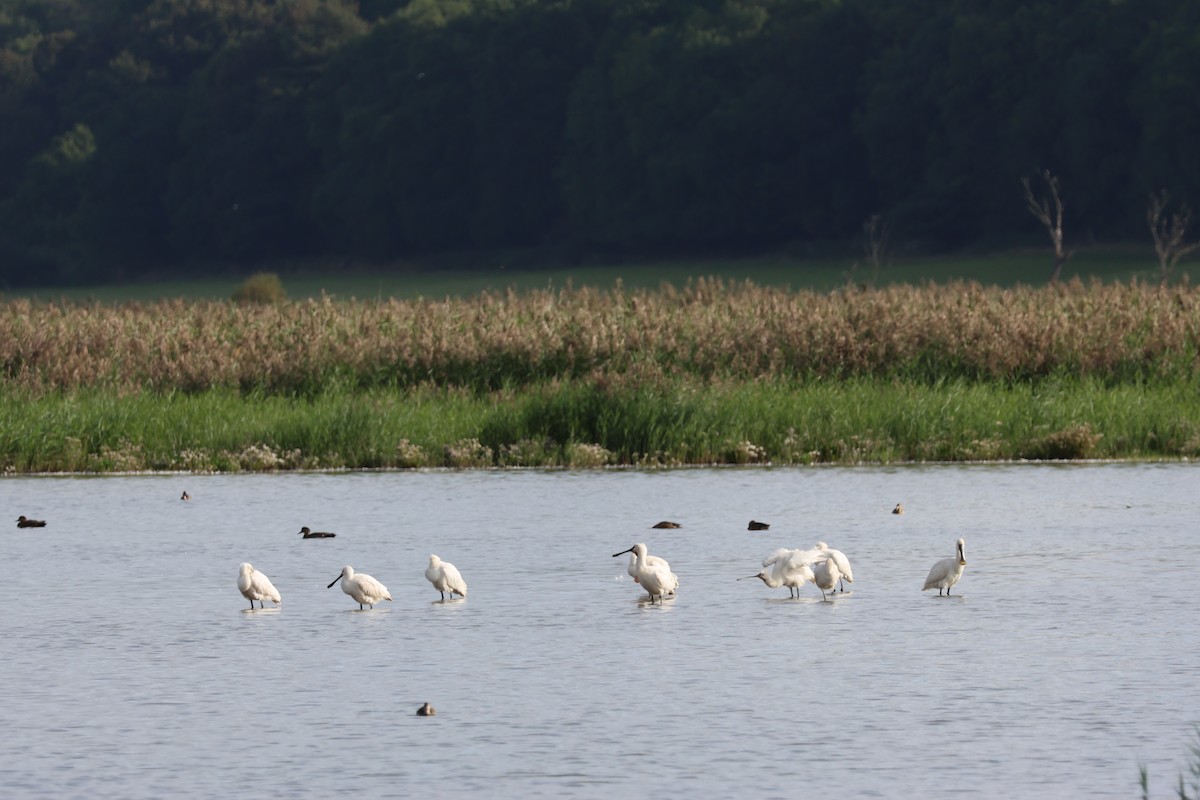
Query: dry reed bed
{"x": 709, "y": 330}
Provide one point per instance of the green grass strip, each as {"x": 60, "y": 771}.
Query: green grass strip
{"x": 593, "y": 424}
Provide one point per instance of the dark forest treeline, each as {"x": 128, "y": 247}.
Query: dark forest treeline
{"x": 138, "y": 133}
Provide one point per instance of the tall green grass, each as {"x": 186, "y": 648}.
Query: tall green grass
{"x": 592, "y": 423}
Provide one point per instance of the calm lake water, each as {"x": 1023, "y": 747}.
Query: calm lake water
{"x": 1067, "y": 655}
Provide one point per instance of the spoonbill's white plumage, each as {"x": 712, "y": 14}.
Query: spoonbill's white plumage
{"x": 653, "y": 573}
{"x": 826, "y": 575}
{"x": 633, "y": 566}
{"x": 790, "y": 568}
{"x": 365, "y": 590}
{"x": 946, "y": 572}
{"x": 256, "y": 586}
{"x": 445, "y": 578}
{"x": 839, "y": 558}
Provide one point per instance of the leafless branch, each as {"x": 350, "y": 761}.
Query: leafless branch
{"x": 1169, "y": 234}
{"x": 1051, "y": 218}
{"x": 875, "y": 236}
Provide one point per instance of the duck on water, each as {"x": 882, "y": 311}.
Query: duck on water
{"x": 311, "y": 534}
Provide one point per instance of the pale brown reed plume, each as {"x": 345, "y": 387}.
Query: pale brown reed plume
{"x": 709, "y": 329}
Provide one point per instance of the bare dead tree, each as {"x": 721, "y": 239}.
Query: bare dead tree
{"x": 1052, "y": 219}
{"x": 1168, "y": 234}
{"x": 875, "y": 242}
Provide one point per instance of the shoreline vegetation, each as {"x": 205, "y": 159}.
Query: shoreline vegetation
{"x": 714, "y": 372}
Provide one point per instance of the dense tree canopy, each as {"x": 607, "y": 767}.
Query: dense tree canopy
{"x": 141, "y": 135}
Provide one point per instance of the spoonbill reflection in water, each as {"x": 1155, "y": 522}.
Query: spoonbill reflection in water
{"x": 362, "y": 587}
{"x": 256, "y": 586}
{"x": 653, "y": 573}
{"x": 445, "y": 578}
{"x": 839, "y": 558}
{"x": 790, "y": 568}
{"x": 826, "y": 575}
{"x": 946, "y": 572}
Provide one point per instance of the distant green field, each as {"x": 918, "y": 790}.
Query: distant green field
{"x": 1029, "y": 267}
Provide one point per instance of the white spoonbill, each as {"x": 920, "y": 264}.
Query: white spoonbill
{"x": 946, "y": 572}
{"x": 791, "y": 568}
{"x": 445, "y": 578}
{"x": 633, "y": 565}
{"x": 653, "y": 573}
{"x": 826, "y": 575}
{"x": 362, "y": 587}
{"x": 839, "y": 558}
{"x": 256, "y": 586}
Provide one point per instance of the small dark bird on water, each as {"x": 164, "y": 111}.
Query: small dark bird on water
{"x": 426, "y": 711}
{"x": 307, "y": 534}
{"x": 24, "y": 522}
{"x": 899, "y": 509}
{"x": 755, "y": 525}
{"x": 666, "y": 524}
{"x": 185, "y": 495}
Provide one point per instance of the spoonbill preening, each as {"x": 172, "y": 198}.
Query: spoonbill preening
{"x": 843, "y": 563}
{"x": 254, "y": 585}
{"x": 445, "y": 577}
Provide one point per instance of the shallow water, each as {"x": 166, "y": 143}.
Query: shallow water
{"x": 1065, "y": 658}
